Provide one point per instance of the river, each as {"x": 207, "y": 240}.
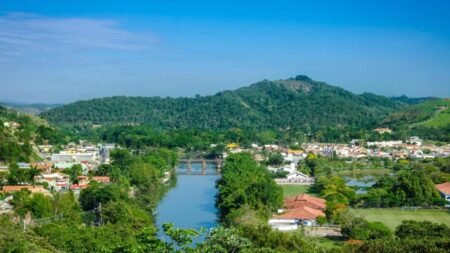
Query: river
{"x": 190, "y": 204}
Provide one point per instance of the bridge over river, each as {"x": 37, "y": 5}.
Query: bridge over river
{"x": 199, "y": 166}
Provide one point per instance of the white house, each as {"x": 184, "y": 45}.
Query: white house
{"x": 296, "y": 175}
{"x": 56, "y": 181}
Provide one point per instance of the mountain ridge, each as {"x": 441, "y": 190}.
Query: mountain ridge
{"x": 298, "y": 102}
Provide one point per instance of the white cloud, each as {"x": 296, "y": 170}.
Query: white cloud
{"x": 21, "y": 33}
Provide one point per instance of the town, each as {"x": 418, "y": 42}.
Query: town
{"x": 73, "y": 167}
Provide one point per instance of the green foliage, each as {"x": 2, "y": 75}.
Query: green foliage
{"x": 409, "y": 188}
{"x": 267, "y": 105}
{"x": 245, "y": 183}
{"x": 224, "y": 240}
{"x": 65, "y": 204}
{"x": 97, "y": 193}
{"x": 73, "y": 172}
{"x": 430, "y": 120}
{"x": 15, "y": 141}
{"x": 275, "y": 159}
{"x": 265, "y": 238}
{"x": 364, "y": 230}
{"x": 38, "y": 205}
{"x": 411, "y": 229}
{"x": 182, "y": 237}
{"x": 122, "y": 212}
{"x": 13, "y": 240}
{"x": 436, "y": 245}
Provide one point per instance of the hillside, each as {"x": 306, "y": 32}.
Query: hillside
{"x": 29, "y": 108}
{"x": 18, "y": 134}
{"x": 430, "y": 118}
{"x": 295, "y": 103}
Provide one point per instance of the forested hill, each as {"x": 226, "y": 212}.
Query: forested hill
{"x": 430, "y": 119}
{"x": 288, "y": 104}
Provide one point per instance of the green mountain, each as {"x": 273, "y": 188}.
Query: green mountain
{"x": 295, "y": 103}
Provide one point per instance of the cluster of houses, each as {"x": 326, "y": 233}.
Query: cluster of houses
{"x": 51, "y": 177}
{"x": 412, "y": 148}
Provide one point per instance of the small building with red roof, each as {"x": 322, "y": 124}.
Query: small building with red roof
{"x": 31, "y": 188}
{"x": 444, "y": 190}
{"x": 302, "y": 209}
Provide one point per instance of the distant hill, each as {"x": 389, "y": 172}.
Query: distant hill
{"x": 34, "y": 108}
{"x": 427, "y": 119}
{"x": 431, "y": 113}
{"x": 295, "y": 103}
{"x": 412, "y": 101}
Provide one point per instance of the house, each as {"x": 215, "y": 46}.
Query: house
{"x": 382, "y": 130}
{"x": 101, "y": 179}
{"x": 295, "y": 177}
{"x": 415, "y": 140}
{"x": 76, "y": 157}
{"x": 300, "y": 210}
{"x": 305, "y": 200}
{"x": 55, "y": 181}
{"x": 31, "y": 188}
{"x": 84, "y": 180}
{"x": 444, "y": 190}
{"x": 23, "y": 165}
{"x": 76, "y": 188}
{"x": 45, "y": 167}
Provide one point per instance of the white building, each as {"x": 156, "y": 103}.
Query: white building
{"x": 90, "y": 157}
{"x": 55, "y": 181}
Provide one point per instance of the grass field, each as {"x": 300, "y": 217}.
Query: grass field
{"x": 290, "y": 190}
{"x": 393, "y": 217}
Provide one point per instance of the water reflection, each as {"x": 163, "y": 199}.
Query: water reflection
{"x": 190, "y": 204}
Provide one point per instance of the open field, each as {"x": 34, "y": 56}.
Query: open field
{"x": 290, "y": 190}
{"x": 393, "y": 217}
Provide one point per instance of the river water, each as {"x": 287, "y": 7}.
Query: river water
{"x": 190, "y": 204}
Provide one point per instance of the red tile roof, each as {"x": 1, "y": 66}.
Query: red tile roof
{"x": 32, "y": 189}
{"x": 305, "y": 200}
{"x": 78, "y": 186}
{"x": 103, "y": 179}
{"x": 444, "y": 188}
{"x": 302, "y": 213}
{"x": 303, "y": 207}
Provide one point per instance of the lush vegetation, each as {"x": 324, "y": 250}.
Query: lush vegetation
{"x": 244, "y": 188}
{"x": 297, "y": 103}
{"x": 430, "y": 120}
{"x": 18, "y": 132}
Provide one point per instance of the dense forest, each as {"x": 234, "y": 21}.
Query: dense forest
{"x": 295, "y": 103}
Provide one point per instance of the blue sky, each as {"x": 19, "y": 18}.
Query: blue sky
{"x": 62, "y": 51}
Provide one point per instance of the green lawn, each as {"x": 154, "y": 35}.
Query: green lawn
{"x": 393, "y": 217}
{"x": 290, "y": 190}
